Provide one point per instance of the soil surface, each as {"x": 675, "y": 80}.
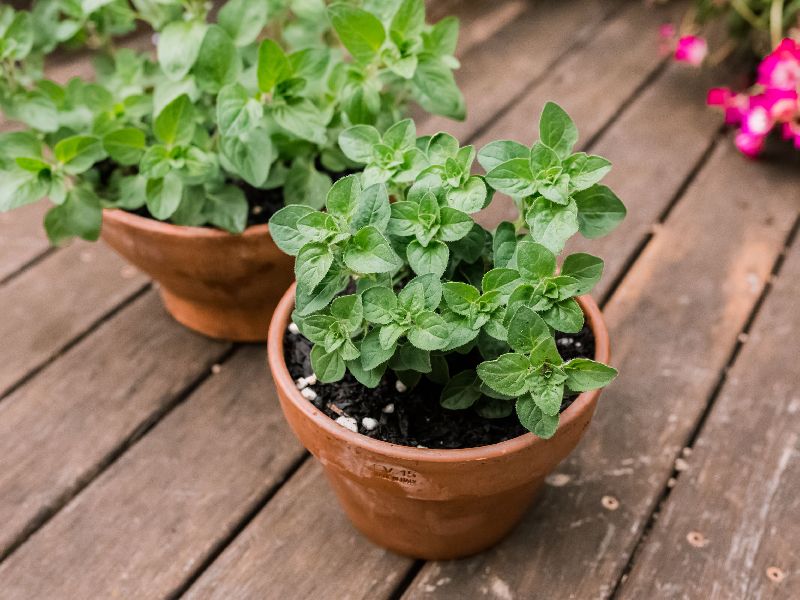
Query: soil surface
{"x": 415, "y": 417}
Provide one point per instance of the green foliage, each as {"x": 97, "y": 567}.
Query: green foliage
{"x": 252, "y": 99}
{"x": 432, "y": 293}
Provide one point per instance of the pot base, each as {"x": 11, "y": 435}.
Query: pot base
{"x": 224, "y": 322}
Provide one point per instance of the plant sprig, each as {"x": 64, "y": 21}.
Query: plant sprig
{"x": 430, "y": 292}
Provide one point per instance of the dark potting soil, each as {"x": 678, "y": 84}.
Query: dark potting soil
{"x": 415, "y": 417}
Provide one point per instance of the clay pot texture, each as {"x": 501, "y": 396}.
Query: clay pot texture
{"x": 223, "y": 285}
{"x": 424, "y": 503}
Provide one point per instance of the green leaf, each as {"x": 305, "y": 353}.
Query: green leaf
{"x": 552, "y": 224}
{"x": 236, "y": 111}
{"x": 126, "y": 145}
{"x": 403, "y": 219}
{"x": 557, "y": 130}
{"x": 178, "y": 47}
{"x": 441, "y": 147}
{"x": 19, "y": 36}
{"x": 372, "y": 208}
{"x": 218, "y": 62}
{"x": 565, "y": 316}
{"x": 435, "y": 89}
{"x": 373, "y": 352}
{"x": 429, "y": 331}
{"x": 599, "y": 211}
{"x": 513, "y": 177}
{"x": 358, "y": 141}
{"x": 506, "y": 374}
{"x": 462, "y": 391}
{"x": 328, "y": 366}
{"x": 313, "y": 262}
{"x": 18, "y": 188}
{"x": 469, "y": 198}
{"x": 227, "y": 208}
{"x": 421, "y": 293}
{"x": 587, "y": 269}
{"x": 401, "y": 136}
{"x": 305, "y": 185}
{"x": 504, "y": 244}
{"x": 584, "y": 374}
{"x": 284, "y": 231}
{"x": 431, "y": 259}
{"x": 408, "y": 20}
{"x": 500, "y": 279}
{"x": 343, "y": 197}
{"x": 534, "y": 420}
{"x": 360, "y": 32}
{"x": 496, "y": 153}
{"x": 348, "y": 310}
{"x": 79, "y": 153}
{"x": 309, "y": 301}
{"x": 454, "y": 224}
{"x": 366, "y": 377}
{"x": 411, "y": 358}
{"x": 251, "y": 155}
{"x": 460, "y": 297}
{"x": 380, "y": 304}
{"x": 174, "y": 125}
{"x": 529, "y": 334}
{"x": 79, "y": 216}
{"x": 132, "y": 192}
{"x": 369, "y": 252}
{"x": 534, "y": 261}
{"x": 548, "y": 393}
{"x": 584, "y": 170}
{"x": 243, "y": 20}
{"x": 442, "y": 38}
{"x": 302, "y": 118}
{"x": 273, "y": 66}
{"x": 164, "y": 195}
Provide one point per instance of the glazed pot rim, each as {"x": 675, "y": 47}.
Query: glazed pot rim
{"x": 135, "y": 221}
{"x": 284, "y": 380}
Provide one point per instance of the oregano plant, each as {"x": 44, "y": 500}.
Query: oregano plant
{"x": 396, "y": 274}
{"x": 234, "y": 104}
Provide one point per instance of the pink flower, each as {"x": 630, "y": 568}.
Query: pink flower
{"x": 757, "y": 121}
{"x": 780, "y": 104}
{"x": 667, "y": 31}
{"x": 749, "y": 144}
{"x": 780, "y": 69}
{"x": 734, "y": 105}
{"x": 791, "y": 131}
{"x": 691, "y": 49}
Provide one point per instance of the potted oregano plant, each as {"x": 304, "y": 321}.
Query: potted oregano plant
{"x": 440, "y": 371}
{"x": 180, "y": 159}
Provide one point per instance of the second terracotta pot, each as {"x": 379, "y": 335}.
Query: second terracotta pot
{"x": 431, "y": 504}
{"x": 223, "y": 285}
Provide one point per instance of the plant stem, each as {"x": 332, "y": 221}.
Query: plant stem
{"x": 741, "y": 7}
{"x": 776, "y": 21}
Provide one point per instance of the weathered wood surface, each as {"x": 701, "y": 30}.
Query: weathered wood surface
{"x": 44, "y": 310}
{"x": 673, "y": 322}
{"x": 22, "y": 239}
{"x": 729, "y": 528}
{"x": 302, "y": 526}
{"x": 129, "y": 482}
{"x": 143, "y": 527}
{"x": 60, "y": 429}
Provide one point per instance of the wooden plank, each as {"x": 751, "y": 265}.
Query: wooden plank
{"x": 740, "y": 491}
{"x": 673, "y": 324}
{"x": 22, "y": 238}
{"x": 60, "y": 429}
{"x": 45, "y": 308}
{"x": 499, "y": 68}
{"x": 146, "y": 524}
{"x": 267, "y": 561}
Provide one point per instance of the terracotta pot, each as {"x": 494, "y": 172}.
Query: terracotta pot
{"x": 222, "y": 285}
{"x": 431, "y": 504}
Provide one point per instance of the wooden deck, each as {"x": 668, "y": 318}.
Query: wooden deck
{"x": 131, "y": 466}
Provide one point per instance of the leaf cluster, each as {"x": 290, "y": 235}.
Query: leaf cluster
{"x": 251, "y": 99}
{"x": 396, "y": 274}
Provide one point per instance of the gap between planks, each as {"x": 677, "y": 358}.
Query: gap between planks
{"x": 691, "y": 439}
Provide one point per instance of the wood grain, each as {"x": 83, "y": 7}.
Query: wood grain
{"x": 47, "y": 307}
{"x": 143, "y": 527}
{"x": 60, "y": 429}
{"x": 740, "y": 491}
{"x": 303, "y": 531}
{"x": 673, "y": 324}
{"x": 22, "y": 238}
{"x": 504, "y": 65}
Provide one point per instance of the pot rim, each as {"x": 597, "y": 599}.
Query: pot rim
{"x": 283, "y": 379}
{"x": 134, "y": 221}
